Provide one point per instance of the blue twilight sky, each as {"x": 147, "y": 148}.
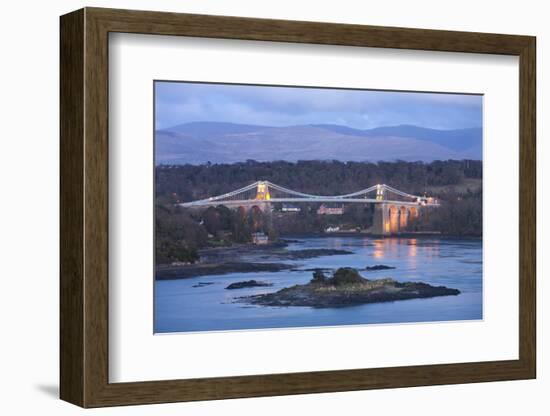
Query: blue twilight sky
{"x": 179, "y": 102}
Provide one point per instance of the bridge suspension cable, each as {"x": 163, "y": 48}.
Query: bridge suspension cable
{"x": 401, "y": 193}
{"x": 292, "y": 192}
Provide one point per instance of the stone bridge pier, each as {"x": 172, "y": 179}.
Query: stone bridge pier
{"x": 391, "y": 218}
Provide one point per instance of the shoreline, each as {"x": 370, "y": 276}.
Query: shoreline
{"x": 169, "y": 272}
{"x": 273, "y": 257}
{"x": 233, "y": 260}
{"x": 419, "y": 234}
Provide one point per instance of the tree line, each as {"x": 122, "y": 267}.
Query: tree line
{"x": 192, "y": 182}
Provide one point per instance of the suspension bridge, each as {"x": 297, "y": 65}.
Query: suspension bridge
{"x": 393, "y": 208}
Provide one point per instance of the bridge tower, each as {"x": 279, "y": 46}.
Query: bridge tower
{"x": 262, "y": 191}
{"x": 263, "y": 196}
{"x": 390, "y": 217}
{"x": 380, "y": 192}
{"x": 380, "y": 224}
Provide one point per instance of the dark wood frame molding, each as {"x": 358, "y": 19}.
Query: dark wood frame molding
{"x": 84, "y": 209}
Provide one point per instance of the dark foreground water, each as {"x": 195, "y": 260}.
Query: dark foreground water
{"x": 455, "y": 263}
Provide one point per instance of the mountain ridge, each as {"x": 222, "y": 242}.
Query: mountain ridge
{"x": 223, "y": 142}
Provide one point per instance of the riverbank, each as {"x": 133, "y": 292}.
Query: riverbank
{"x": 243, "y": 259}
{"x": 207, "y": 269}
{"x": 273, "y": 257}
{"x": 364, "y": 234}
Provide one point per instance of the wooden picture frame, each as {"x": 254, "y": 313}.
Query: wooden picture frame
{"x": 84, "y": 207}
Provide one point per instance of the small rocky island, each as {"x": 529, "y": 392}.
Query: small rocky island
{"x": 248, "y": 283}
{"x": 378, "y": 267}
{"x": 346, "y": 287}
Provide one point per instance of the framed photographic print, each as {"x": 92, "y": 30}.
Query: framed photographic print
{"x": 255, "y": 207}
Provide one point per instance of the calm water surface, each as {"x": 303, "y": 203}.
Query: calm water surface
{"x": 456, "y": 263}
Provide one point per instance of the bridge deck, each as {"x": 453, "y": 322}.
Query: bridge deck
{"x": 246, "y": 202}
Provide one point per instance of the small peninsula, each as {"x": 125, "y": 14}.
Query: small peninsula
{"x": 346, "y": 287}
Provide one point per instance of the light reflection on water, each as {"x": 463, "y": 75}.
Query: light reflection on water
{"x": 454, "y": 263}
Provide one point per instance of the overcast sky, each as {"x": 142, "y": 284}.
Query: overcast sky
{"x": 179, "y": 102}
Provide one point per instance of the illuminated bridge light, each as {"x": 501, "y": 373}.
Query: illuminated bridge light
{"x": 379, "y": 192}
{"x": 262, "y": 192}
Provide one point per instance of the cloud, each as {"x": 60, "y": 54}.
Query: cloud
{"x": 178, "y": 102}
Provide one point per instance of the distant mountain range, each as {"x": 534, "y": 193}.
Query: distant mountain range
{"x": 216, "y": 142}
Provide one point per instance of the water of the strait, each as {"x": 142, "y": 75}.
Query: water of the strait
{"x": 183, "y": 305}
